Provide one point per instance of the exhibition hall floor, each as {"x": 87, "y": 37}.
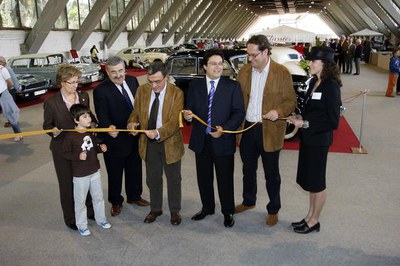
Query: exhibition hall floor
{"x": 359, "y": 224}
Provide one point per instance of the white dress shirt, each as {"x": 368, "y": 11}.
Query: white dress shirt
{"x": 258, "y": 82}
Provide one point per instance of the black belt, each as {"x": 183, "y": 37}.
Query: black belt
{"x": 248, "y": 123}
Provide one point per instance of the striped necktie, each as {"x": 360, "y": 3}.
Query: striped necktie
{"x": 126, "y": 97}
{"x": 210, "y": 102}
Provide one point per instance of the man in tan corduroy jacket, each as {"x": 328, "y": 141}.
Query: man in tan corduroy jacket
{"x": 268, "y": 95}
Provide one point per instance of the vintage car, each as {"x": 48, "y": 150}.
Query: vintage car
{"x": 45, "y": 64}
{"x": 186, "y": 66}
{"x": 32, "y": 86}
{"x": 135, "y": 55}
{"x": 185, "y": 47}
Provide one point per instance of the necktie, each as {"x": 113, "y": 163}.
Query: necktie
{"x": 154, "y": 112}
{"x": 210, "y": 101}
{"x": 126, "y": 97}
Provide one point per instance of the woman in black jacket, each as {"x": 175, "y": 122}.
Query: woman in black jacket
{"x": 318, "y": 120}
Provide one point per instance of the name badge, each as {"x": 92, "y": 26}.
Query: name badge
{"x": 316, "y": 96}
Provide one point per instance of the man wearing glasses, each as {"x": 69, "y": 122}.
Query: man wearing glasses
{"x": 158, "y": 106}
{"x": 268, "y": 95}
{"x": 113, "y": 100}
{"x": 218, "y": 101}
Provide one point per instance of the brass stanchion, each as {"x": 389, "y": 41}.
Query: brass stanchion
{"x": 361, "y": 149}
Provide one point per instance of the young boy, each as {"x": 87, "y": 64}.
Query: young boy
{"x": 394, "y": 67}
{"x": 81, "y": 149}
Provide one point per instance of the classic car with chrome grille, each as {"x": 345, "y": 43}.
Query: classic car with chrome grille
{"x": 45, "y": 64}
{"x": 32, "y": 86}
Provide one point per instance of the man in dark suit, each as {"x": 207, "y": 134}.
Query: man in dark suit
{"x": 113, "y": 101}
{"x": 157, "y": 108}
{"x": 219, "y": 101}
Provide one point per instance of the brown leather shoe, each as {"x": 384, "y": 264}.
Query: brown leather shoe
{"x": 272, "y": 219}
{"x": 175, "y": 218}
{"x": 151, "y": 217}
{"x": 140, "y": 202}
{"x": 115, "y": 210}
{"x": 7, "y": 124}
{"x": 241, "y": 208}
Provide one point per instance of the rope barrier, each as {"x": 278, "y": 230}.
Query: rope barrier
{"x": 47, "y": 131}
{"x": 97, "y": 130}
{"x": 354, "y": 96}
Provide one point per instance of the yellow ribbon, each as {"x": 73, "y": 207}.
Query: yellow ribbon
{"x": 223, "y": 131}
{"x": 38, "y": 132}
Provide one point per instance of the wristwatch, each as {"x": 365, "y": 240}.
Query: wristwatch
{"x": 306, "y": 124}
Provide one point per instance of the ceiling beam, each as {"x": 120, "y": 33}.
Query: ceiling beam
{"x": 89, "y": 24}
{"x": 227, "y": 12}
{"x": 236, "y": 22}
{"x": 185, "y": 13}
{"x": 371, "y": 14}
{"x": 352, "y": 15}
{"x": 164, "y": 21}
{"x": 214, "y": 18}
{"x": 134, "y": 36}
{"x": 122, "y": 21}
{"x": 348, "y": 24}
{"x": 246, "y": 27}
{"x": 51, "y": 12}
{"x": 236, "y": 15}
{"x": 383, "y": 16}
{"x": 203, "y": 19}
{"x": 196, "y": 14}
{"x": 363, "y": 15}
{"x": 390, "y": 10}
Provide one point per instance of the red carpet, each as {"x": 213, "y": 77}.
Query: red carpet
{"x": 26, "y": 103}
{"x": 343, "y": 138}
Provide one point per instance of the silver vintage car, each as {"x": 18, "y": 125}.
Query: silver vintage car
{"x": 45, "y": 65}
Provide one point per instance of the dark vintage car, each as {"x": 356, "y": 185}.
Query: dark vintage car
{"x": 32, "y": 86}
{"x": 186, "y": 66}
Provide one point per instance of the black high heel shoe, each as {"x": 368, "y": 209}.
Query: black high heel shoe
{"x": 299, "y": 224}
{"x": 305, "y": 229}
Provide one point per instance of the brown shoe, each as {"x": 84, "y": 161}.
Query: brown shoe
{"x": 151, "y": 217}
{"x": 272, "y": 219}
{"x": 7, "y": 124}
{"x": 140, "y": 202}
{"x": 115, "y": 210}
{"x": 175, "y": 218}
{"x": 241, "y": 208}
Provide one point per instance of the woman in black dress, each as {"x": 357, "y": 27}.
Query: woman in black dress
{"x": 318, "y": 120}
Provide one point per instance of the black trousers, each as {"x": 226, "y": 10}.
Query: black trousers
{"x": 116, "y": 166}
{"x": 64, "y": 175}
{"x": 398, "y": 86}
{"x": 251, "y": 148}
{"x": 224, "y": 165}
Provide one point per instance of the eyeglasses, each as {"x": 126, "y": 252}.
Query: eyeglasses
{"x": 253, "y": 55}
{"x": 214, "y": 64}
{"x": 72, "y": 82}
